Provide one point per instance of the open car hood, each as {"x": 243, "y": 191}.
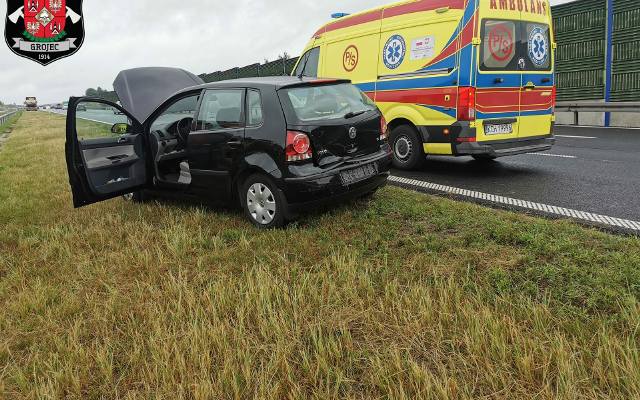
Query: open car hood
{"x": 142, "y": 90}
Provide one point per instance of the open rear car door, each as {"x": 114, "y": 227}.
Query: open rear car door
{"x": 110, "y": 157}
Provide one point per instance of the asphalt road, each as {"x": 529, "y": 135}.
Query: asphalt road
{"x": 109, "y": 117}
{"x": 595, "y": 170}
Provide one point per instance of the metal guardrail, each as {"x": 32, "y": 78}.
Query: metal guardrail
{"x": 5, "y": 117}
{"x": 594, "y": 106}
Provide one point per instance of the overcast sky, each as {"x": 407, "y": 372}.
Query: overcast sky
{"x": 197, "y": 35}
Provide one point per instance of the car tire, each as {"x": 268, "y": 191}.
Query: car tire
{"x": 263, "y": 203}
{"x": 408, "y": 150}
{"x": 135, "y": 197}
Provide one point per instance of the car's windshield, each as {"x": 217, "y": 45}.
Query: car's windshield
{"x": 310, "y": 103}
{"x": 183, "y": 108}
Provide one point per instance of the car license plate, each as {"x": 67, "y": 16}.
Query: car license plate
{"x": 356, "y": 175}
{"x": 502, "y": 129}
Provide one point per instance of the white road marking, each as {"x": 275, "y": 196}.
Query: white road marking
{"x": 551, "y": 155}
{"x": 576, "y": 137}
{"x": 86, "y": 119}
{"x": 95, "y": 120}
{"x": 561, "y": 211}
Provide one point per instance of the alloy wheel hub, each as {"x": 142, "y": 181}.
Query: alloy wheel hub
{"x": 261, "y": 203}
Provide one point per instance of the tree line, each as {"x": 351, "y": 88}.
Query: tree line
{"x": 101, "y": 93}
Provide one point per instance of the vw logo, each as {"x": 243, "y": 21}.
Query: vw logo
{"x": 353, "y": 132}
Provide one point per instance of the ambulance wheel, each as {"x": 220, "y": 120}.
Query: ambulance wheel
{"x": 408, "y": 151}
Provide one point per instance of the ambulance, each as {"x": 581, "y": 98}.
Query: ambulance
{"x": 452, "y": 77}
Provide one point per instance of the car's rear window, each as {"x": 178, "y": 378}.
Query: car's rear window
{"x": 324, "y": 102}
{"x": 515, "y": 45}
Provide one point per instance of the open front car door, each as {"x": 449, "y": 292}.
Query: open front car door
{"x": 106, "y": 151}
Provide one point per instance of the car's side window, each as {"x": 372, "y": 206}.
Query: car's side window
{"x": 255, "y": 116}
{"x": 182, "y": 109}
{"x": 221, "y": 109}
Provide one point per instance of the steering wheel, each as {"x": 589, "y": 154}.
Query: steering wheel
{"x": 183, "y": 128}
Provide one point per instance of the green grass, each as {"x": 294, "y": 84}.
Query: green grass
{"x": 404, "y": 296}
{"x": 90, "y": 129}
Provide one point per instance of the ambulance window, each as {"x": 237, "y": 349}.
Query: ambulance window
{"x": 538, "y": 46}
{"x": 254, "y": 108}
{"x": 309, "y": 62}
{"x": 499, "y": 45}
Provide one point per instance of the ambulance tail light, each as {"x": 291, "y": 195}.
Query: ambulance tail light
{"x": 298, "y": 147}
{"x": 466, "y": 104}
{"x": 553, "y": 99}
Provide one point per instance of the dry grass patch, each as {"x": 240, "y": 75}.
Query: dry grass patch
{"x": 405, "y": 296}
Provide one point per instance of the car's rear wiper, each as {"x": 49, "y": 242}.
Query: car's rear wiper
{"x": 353, "y": 114}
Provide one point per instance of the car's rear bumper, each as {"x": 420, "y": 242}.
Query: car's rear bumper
{"x": 502, "y": 148}
{"x": 305, "y": 193}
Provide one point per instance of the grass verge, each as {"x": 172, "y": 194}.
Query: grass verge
{"x": 404, "y": 296}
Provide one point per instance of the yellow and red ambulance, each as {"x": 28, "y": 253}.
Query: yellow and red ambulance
{"x": 452, "y": 77}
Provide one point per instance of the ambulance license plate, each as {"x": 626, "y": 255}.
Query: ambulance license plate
{"x": 502, "y": 129}
{"x": 356, "y": 175}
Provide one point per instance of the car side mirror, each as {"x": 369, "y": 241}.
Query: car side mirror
{"x": 121, "y": 128}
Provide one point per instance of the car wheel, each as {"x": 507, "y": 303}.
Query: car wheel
{"x": 408, "y": 151}
{"x": 483, "y": 158}
{"x": 135, "y": 197}
{"x": 263, "y": 204}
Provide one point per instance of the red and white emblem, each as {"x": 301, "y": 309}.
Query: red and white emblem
{"x": 45, "y": 19}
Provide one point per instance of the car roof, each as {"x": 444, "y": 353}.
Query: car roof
{"x": 267, "y": 82}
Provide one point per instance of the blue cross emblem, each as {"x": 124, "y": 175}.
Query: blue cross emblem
{"x": 394, "y": 51}
{"x": 538, "y": 47}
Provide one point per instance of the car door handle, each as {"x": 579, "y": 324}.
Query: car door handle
{"x": 234, "y": 143}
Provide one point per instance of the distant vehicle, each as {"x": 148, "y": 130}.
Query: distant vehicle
{"x": 56, "y": 106}
{"x": 274, "y": 146}
{"x": 452, "y": 77}
{"x": 31, "y": 104}
{"x": 65, "y": 105}
{"x": 81, "y": 107}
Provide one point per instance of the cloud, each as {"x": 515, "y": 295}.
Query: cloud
{"x": 198, "y": 35}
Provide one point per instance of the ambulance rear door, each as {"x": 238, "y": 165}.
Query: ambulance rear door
{"x": 537, "y": 90}
{"x": 499, "y": 78}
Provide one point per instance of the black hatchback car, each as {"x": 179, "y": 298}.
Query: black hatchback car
{"x": 275, "y": 146}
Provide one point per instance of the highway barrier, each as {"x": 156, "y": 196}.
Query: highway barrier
{"x": 5, "y": 117}
{"x": 596, "y": 106}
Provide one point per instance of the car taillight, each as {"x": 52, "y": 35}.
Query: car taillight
{"x": 298, "y": 147}
{"x": 384, "y": 129}
{"x": 466, "y": 104}
{"x": 553, "y": 98}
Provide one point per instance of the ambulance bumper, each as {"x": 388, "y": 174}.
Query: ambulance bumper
{"x": 509, "y": 147}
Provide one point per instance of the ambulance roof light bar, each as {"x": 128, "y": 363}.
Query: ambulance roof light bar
{"x": 339, "y": 15}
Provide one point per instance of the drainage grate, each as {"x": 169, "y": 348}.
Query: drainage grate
{"x": 561, "y": 211}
